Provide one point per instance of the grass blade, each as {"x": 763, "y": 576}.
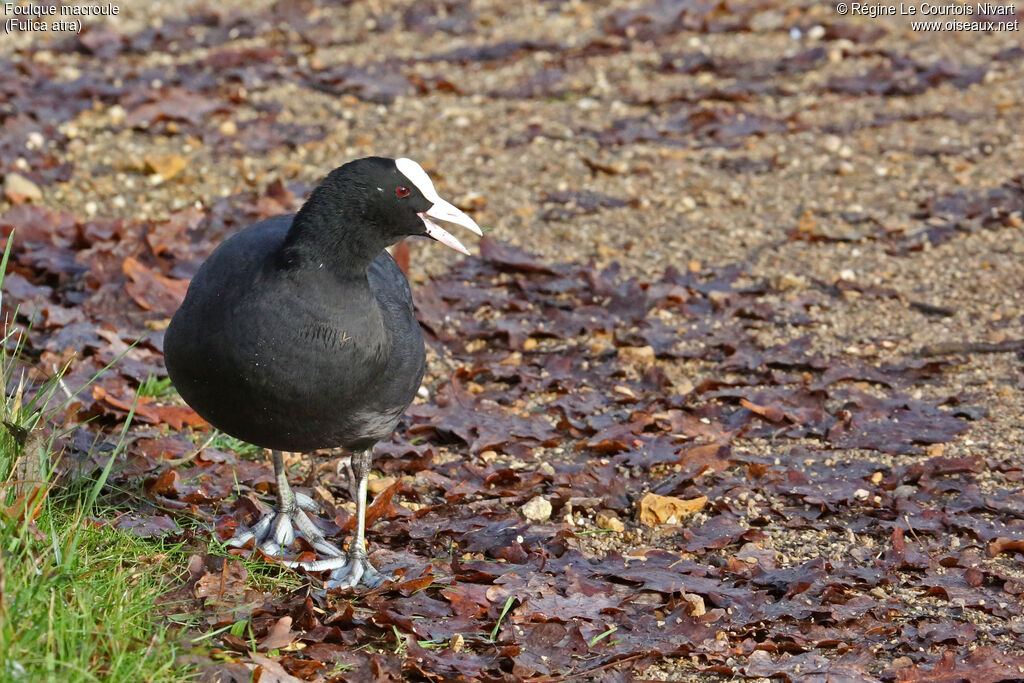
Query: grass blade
{"x": 504, "y": 611}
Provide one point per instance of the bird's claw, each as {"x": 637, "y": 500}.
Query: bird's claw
{"x": 275, "y": 531}
{"x": 347, "y": 571}
{"x": 357, "y": 571}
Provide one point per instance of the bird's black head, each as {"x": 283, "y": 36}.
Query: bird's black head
{"x": 369, "y": 204}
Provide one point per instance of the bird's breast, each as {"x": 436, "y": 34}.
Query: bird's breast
{"x": 324, "y": 335}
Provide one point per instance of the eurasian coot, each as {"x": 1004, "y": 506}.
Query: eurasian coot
{"x": 298, "y": 334}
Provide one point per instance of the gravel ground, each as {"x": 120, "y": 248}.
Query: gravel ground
{"x": 840, "y": 164}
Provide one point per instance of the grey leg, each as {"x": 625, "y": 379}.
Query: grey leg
{"x": 355, "y": 568}
{"x": 361, "y": 469}
{"x": 275, "y": 531}
{"x": 350, "y": 476}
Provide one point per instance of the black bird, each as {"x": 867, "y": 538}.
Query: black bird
{"x": 298, "y": 334}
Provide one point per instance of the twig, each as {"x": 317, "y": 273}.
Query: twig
{"x": 910, "y": 527}
{"x": 931, "y": 309}
{"x": 587, "y": 672}
{"x": 175, "y": 462}
{"x": 953, "y": 348}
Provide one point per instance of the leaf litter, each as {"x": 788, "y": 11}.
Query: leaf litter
{"x": 534, "y": 406}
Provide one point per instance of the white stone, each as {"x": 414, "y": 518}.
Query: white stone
{"x": 15, "y": 184}
{"x": 537, "y": 509}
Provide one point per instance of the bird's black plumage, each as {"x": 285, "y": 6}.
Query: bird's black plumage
{"x": 298, "y": 333}
{"x": 286, "y": 354}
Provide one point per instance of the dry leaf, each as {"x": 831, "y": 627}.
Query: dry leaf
{"x": 654, "y": 509}
{"x": 165, "y": 165}
{"x": 280, "y": 635}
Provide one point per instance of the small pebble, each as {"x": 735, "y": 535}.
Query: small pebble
{"x": 19, "y": 188}
{"x": 636, "y": 355}
{"x": 904, "y": 491}
{"x": 116, "y": 115}
{"x": 789, "y": 281}
{"x": 378, "y": 484}
{"x": 697, "y": 608}
{"x": 537, "y": 509}
{"x": 606, "y": 519}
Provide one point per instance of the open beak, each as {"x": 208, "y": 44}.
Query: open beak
{"x": 441, "y": 210}
{"x": 445, "y": 211}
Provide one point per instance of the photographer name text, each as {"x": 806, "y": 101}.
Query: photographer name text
{"x": 982, "y": 16}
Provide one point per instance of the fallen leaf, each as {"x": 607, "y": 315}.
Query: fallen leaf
{"x": 151, "y": 290}
{"x": 165, "y": 165}
{"x": 269, "y": 671}
{"x": 654, "y": 509}
{"x": 280, "y": 635}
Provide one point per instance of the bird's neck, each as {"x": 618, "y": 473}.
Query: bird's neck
{"x": 330, "y": 239}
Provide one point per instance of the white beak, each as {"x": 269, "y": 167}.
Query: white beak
{"x": 441, "y": 209}
{"x": 444, "y": 211}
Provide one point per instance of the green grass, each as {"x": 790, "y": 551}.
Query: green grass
{"x": 157, "y": 388}
{"x": 224, "y": 442}
{"x": 79, "y": 604}
{"x": 77, "y": 598}
{"x": 263, "y": 575}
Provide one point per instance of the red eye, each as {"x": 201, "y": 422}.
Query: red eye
{"x": 402, "y": 191}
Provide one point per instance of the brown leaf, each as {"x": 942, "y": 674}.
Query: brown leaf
{"x": 510, "y": 258}
{"x": 806, "y": 666}
{"x": 177, "y": 417}
{"x": 770, "y": 413}
{"x": 380, "y": 507}
{"x": 280, "y": 635}
{"x": 166, "y": 484}
{"x": 1003, "y": 545}
{"x": 654, "y": 509}
{"x": 146, "y": 527}
{"x": 165, "y": 165}
{"x": 269, "y": 671}
{"x": 983, "y": 665}
{"x": 175, "y": 104}
{"x": 151, "y": 290}
{"x": 224, "y": 586}
{"x": 143, "y": 405}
